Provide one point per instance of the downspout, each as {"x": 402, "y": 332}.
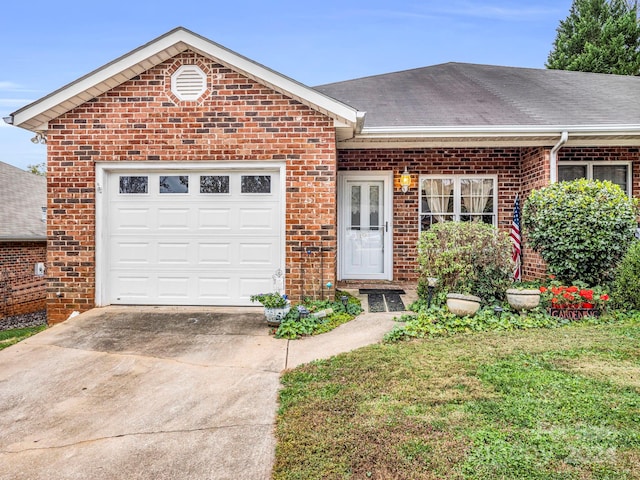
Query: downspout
{"x": 553, "y": 161}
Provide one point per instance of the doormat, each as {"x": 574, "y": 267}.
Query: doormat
{"x": 381, "y": 300}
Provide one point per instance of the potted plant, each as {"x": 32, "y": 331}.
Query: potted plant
{"x": 574, "y": 301}
{"x": 463, "y": 304}
{"x": 276, "y": 306}
{"x": 522, "y": 298}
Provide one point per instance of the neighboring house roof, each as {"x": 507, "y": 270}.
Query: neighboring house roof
{"x": 35, "y": 116}
{"x": 463, "y": 99}
{"x": 22, "y": 196}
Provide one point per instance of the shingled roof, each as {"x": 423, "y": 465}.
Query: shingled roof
{"x": 22, "y": 196}
{"x": 461, "y": 94}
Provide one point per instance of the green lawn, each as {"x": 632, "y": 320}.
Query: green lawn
{"x": 11, "y": 337}
{"x": 538, "y": 404}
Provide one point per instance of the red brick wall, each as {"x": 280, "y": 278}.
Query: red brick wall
{"x": 503, "y": 162}
{"x": 535, "y": 174}
{"x": 237, "y": 119}
{"x": 20, "y": 290}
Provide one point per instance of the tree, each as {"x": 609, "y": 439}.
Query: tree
{"x": 38, "y": 169}
{"x": 601, "y": 36}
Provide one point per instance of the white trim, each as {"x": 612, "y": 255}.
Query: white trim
{"x": 104, "y": 169}
{"x": 457, "y": 196}
{"x": 387, "y": 178}
{"x": 494, "y": 130}
{"x": 159, "y": 50}
{"x": 590, "y": 163}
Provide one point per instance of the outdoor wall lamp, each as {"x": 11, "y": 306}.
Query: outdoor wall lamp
{"x": 405, "y": 180}
{"x": 39, "y": 137}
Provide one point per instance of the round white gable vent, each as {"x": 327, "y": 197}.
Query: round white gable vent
{"x": 188, "y": 82}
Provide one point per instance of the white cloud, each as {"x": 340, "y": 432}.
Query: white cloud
{"x": 497, "y": 12}
{"x": 8, "y": 86}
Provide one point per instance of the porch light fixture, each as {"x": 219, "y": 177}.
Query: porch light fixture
{"x": 405, "y": 180}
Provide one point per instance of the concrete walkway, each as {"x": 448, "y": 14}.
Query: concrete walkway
{"x": 153, "y": 393}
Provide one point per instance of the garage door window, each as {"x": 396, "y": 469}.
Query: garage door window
{"x": 255, "y": 184}
{"x": 174, "y": 184}
{"x": 214, "y": 183}
{"x": 134, "y": 185}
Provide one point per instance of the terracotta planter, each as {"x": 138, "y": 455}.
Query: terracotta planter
{"x": 275, "y": 315}
{"x": 463, "y": 305}
{"x": 524, "y": 299}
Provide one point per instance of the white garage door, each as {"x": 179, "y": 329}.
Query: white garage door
{"x": 192, "y": 237}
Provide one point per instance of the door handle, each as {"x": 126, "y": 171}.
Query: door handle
{"x": 386, "y": 226}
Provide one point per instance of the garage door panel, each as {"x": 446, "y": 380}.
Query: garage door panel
{"x": 173, "y": 219}
{"x": 137, "y": 219}
{"x": 172, "y": 287}
{"x": 214, "y": 218}
{"x": 173, "y": 253}
{"x": 256, "y": 219}
{"x": 138, "y": 253}
{"x": 193, "y": 248}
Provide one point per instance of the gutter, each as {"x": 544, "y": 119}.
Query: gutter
{"x": 8, "y": 120}
{"x": 553, "y": 161}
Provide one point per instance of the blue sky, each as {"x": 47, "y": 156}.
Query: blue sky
{"x": 49, "y": 44}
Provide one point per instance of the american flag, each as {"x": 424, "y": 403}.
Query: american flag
{"x": 516, "y": 241}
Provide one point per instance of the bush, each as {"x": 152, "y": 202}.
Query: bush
{"x": 626, "y": 286}
{"x": 580, "y": 228}
{"x": 466, "y": 257}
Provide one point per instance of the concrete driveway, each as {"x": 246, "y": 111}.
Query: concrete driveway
{"x": 153, "y": 393}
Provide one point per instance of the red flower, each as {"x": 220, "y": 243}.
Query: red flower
{"x": 587, "y": 305}
{"x": 586, "y": 294}
{"x": 554, "y": 300}
{"x": 543, "y": 289}
{"x": 568, "y": 296}
{"x": 572, "y": 289}
{"x": 552, "y": 277}
{"x": 604, "y": 297}
{"x": 555, "y": 290}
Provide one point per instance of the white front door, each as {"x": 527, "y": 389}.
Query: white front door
{"x": 364, "y": 225}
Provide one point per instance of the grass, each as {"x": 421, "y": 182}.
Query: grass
{"x": 11, "y": 337}
{"x": 536, "y": 404}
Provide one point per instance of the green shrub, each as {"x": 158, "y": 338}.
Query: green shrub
{"x": 466, "y": 257}
{"x": 626, "y": 286}
{"x": 580, "y": 228}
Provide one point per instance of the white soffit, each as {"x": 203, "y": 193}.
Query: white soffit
{"x": 36, "y": 115}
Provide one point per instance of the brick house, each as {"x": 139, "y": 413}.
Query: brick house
{"x": 185, "y": 174}
{"x": 23, "y": 241}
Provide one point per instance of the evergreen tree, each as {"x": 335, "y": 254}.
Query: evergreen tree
{"x": 601, "y": 36}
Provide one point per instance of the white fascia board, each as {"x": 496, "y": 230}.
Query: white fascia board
{"x": 494, "y": 131}
{"x": 165, "y": 47}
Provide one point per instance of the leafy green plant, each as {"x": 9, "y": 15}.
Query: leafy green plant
{"x": 626, "y": 286}
{"x": 580, "y": 228}
{"x": 466, "y": 257}
{"x": 270, "y": 300}
{"x": 294, "y": 325}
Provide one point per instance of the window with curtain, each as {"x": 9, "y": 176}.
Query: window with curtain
{"x": 457, "y": 198}
{"x": 615, "y": 172}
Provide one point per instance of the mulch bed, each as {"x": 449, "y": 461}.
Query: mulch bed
{"x": 23, "y": 321}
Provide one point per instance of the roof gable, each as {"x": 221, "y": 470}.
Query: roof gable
{"x": 35, "y": 116}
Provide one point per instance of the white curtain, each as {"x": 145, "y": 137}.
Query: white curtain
{"x": 438, "y": 193}
{"x": 475, "y": 195}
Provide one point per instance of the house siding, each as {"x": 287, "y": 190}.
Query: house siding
{"x": 21, "y": 291}
{"x": 236, "y": 119}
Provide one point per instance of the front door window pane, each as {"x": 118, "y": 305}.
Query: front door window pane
{"x": 374, "y": 207}
{"x": 355, "y": 207}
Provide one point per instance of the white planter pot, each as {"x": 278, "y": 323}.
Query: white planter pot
{"x": 275, "y": 315}
{"x": 463, "y": 305}
{"x": 525, "y": 299}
